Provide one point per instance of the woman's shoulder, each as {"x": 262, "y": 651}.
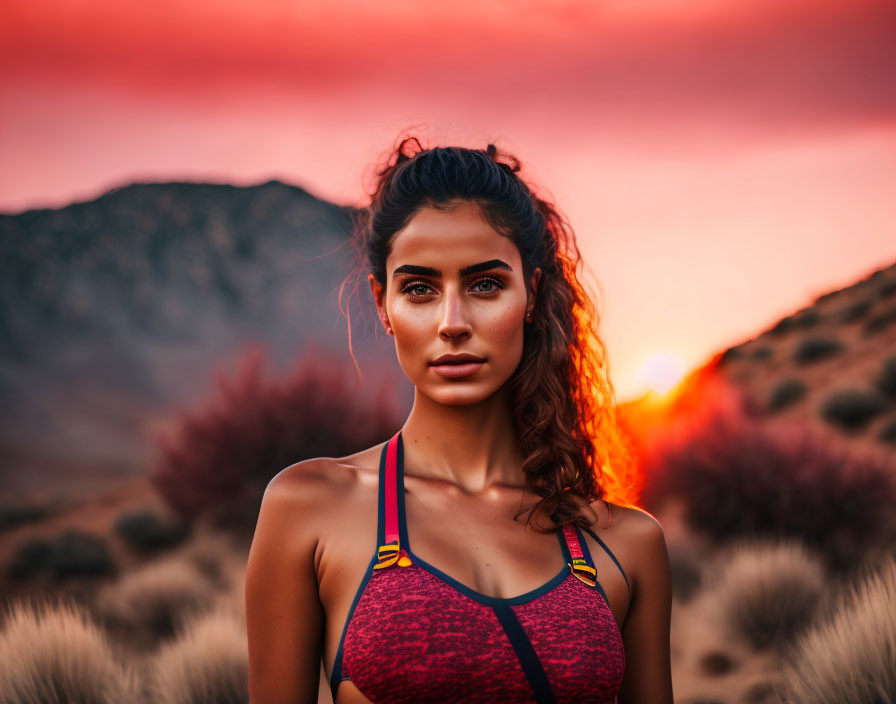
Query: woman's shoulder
{"x": 636, "y": 533}
{"x": 627, "y": 524}
{"x": 313, "y": 482}
{"x": 632, "y": 520}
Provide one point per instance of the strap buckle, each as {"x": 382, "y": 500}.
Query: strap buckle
{"x": 389, "y": 554}
{"x": 583, "y": 571}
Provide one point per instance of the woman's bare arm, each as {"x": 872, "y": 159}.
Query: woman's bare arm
{"x": 648, "y": 676}
{"x": 284, "y": 616}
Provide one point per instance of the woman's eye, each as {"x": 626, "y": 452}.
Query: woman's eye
{"x": 492, "y": 285}
{"x": 419, "y": 289}
{"x": 414, "y": 289}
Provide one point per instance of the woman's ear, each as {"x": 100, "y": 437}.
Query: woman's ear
{"x": 376, "y": 289}
{"x": 378, "y": 294}
{"x": 533, "y": 287}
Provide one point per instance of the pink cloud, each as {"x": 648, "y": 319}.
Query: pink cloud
{"x": 768, "y": 62}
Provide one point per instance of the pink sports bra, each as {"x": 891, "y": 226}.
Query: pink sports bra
{"x": 414, "y": 634}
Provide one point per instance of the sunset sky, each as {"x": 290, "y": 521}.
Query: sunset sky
{"x": 723, "y": 162}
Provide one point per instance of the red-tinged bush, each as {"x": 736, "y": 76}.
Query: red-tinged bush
{"x": 737, "y": 479}
{"x": 218, "y": 460}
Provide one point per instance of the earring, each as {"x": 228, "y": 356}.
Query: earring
{"x": 388, "y": 327}
{"x": 529, "y": 317}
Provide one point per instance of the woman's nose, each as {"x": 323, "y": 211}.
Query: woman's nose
{"x": 455, "y": 320}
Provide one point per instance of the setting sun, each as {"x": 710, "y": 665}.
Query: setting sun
{"x": 661, "y": 372}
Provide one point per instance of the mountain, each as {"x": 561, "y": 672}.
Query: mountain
{"x": 830, "y": 366}
{"x": 115, "y": 311}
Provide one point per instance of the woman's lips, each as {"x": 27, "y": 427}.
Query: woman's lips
{"x": 456, "y": 371}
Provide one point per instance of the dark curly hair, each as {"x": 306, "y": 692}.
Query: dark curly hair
{"x": 564, "y": 403}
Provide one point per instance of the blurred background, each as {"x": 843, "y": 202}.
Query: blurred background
{"x": 178, "y": 310}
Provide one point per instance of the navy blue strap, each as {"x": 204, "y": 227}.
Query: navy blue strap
{"x": 583, "y": 545}
{"x": 610, "y": 553}
{"x": 399, "y": 488}
{"x": 337, "y": 676}
{"x": 526, "y": 653}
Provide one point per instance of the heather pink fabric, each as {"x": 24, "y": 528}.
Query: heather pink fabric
{"x": 416, "y": 635}
{"x": 414, "y": 638}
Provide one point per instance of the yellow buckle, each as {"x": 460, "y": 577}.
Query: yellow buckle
{"x": 389, "y": 554}
{"x": 578, "y": 565}
{"x": 386, "y": 555}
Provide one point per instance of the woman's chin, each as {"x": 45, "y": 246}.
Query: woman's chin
{"x": 473, "y": 393}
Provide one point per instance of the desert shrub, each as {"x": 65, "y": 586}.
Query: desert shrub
{"x": 716, "y": 663}
{"x": 735, "y": 479}
{"x": 888, "y": 432}
{"x": 151, "y": 603}
{"x": 760, "y": 692}
{"x": 76, "y": 553}
{"x": 208, "y": 663}
{"x": 145, "y": 531}
{"x": 13, "y": 515}
{"x": 886, "y": 381}
{"x": 784, "y": 325}
{"x": 785, "y": 393}
{"x": 234, "y": 597}
{"x": 731, "y": 354}
{"x": 880, "y": 322}
{"x": 30, "y": 557}
{"x": 807, "y": 318}
{"x": 686, "y": 572}
{"x": 55, "y": 654}
{"x": 766, "y": 591}
{"x": 855, "y": 311}
{"x": 829, "y": 295}
{"x": 219, "y": 459}
{"x": 72, "y": 553}
{"x": 815, "y": 349}
{"x": 852, "y": 409}
{"x": 210, "y": 553}
{"x": 850, "y": 657}
{"x": 887, "y": 289}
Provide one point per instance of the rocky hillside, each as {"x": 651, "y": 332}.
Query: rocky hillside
{"x": 830, "y": 366}
{"x": 115, "y": 311}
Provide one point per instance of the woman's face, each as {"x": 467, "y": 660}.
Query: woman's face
{"x": 455, "y": 286}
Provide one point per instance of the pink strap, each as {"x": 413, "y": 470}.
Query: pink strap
{"x": 572, "y": 540}
{"x": 391, "y": 490}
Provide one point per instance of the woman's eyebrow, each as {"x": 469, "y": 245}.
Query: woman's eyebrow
{"x": 465, "y": 271}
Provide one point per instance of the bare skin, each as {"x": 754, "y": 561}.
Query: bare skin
{"x": 316, "y": 530}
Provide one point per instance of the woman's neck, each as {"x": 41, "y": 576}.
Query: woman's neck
{"x": 473, "y": 446}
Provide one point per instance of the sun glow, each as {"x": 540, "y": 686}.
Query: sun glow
{"x": 661, "y": 372}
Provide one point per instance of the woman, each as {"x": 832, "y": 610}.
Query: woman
{"x": 430, "y": 568}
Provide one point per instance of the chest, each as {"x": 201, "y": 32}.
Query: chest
{"x": 413, "y": 636}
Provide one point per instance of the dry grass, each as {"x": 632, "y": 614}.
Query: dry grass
{"x": 55, "y": 654}
{"x": 207, "y": 663}
{"x": 766, "y": 591}
{"x": 850, "y": 657}
{"x": 151, "y": 603}
{"x": 749, "y": 596}
{"x": 180, "y": 620}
